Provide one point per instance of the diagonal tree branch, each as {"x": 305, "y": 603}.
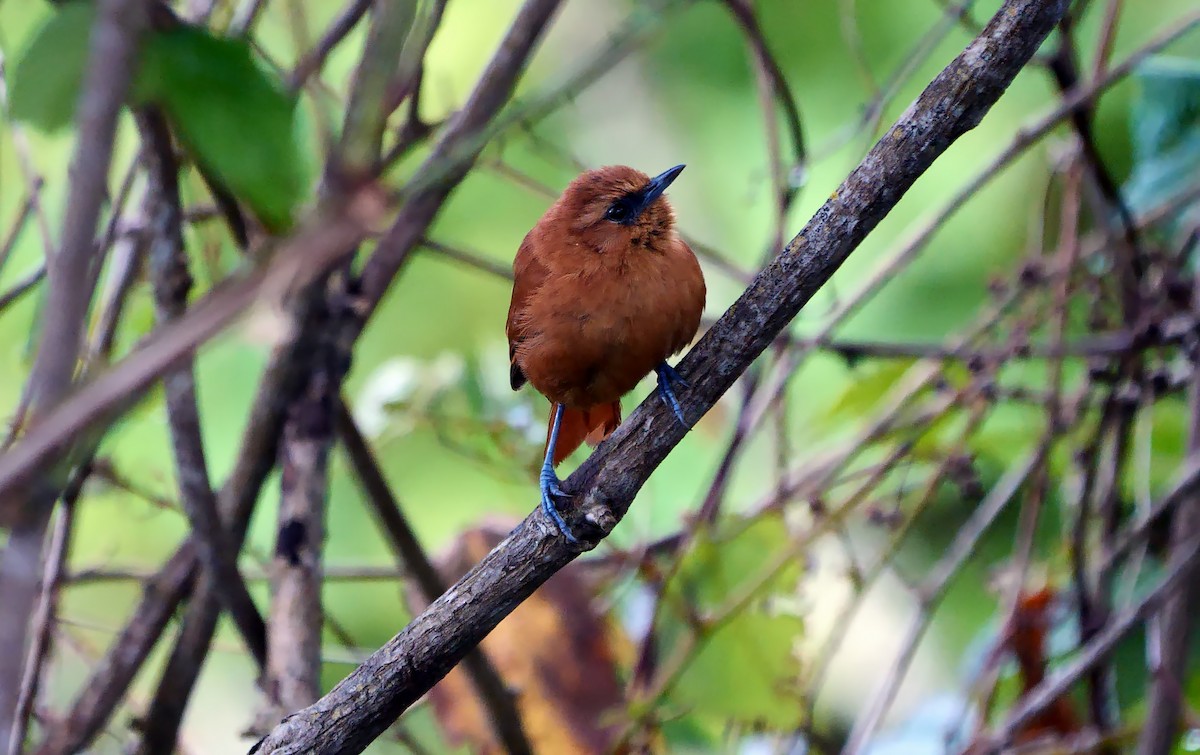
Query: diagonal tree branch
{"x": 296, "y": 619}
{"x": 364, "y": 704}
{"x": 492, "y": 690}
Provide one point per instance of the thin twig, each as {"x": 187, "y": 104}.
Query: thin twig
{"x": 743, "y": 12}
{"x": 471, "y": 259}
{"x": 47, "y": 611}
{"x": 338, "y": 30}
{"x": 20, "y": 223}
{"x": 22, "y": 287}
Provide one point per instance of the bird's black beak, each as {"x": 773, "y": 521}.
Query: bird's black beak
{"x": 658, "y": 185}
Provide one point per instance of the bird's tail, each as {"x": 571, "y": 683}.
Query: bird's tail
{"x": 592, "y": 424}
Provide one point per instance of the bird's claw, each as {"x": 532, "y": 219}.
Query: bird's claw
{"x": 551, "y": 488}
{"x": 666, "y": 376}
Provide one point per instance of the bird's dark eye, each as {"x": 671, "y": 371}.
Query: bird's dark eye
{"x": 618, "y": 212}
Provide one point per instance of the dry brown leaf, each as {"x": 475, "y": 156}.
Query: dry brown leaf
{"x": 555, "y": 651}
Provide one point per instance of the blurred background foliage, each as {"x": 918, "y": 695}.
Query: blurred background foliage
{"x": 429, "y": 379}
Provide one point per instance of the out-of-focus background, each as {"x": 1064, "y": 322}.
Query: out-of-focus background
{"x": 429, "y": 380}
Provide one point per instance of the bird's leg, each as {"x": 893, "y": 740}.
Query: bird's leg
{"x": 666, "y": 376}
{"x": 550, "y": 485}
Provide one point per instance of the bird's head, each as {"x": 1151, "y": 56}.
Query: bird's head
{"x": 619, "y": 208}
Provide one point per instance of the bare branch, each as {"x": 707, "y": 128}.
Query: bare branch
{"x": 22, "y": 287}
{"x": 370, "y": 699}
{"x": 1100, "y": 646}
{"x": 163, "y": 592}
{"x": 296, "y": 618}
{"x": 107, "y": 77}
{"x": 932, "y": 590}
{"x": 129, "y": 650}
{"x": 172, "y": 282}
{"x": 294, "y": 261}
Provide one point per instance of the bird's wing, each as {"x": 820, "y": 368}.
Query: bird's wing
{"x": 689, "y": 275}
{"x": 528, "y": 275}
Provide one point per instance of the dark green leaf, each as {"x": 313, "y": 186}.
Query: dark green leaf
{"x": 685, "y": 734}
{"x": 1167, "y": 110}
{"x": 235, "y": 119}
{"x": 1156, "y": 181}
{"x": 45, "y": 82}
{"x": 1165, "y": 126}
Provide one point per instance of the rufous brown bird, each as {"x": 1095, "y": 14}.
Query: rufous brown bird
{"x": 1025, "y": 637}
{"x": 604, "y": 290}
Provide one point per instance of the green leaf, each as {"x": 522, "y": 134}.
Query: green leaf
{"x": 747, "y": 668}
{"x": 870, "y": 382}
{"x": 1007, "y": 434}
{"x": 685, "y": 734}
{"x": 235, "y": 119}
{"x": 1165, "y": 128}
{"x": 1167, "y": 110}
{"x": 44, "y": 84}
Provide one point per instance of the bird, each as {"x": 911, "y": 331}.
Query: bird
{"x": 604, "y": 291}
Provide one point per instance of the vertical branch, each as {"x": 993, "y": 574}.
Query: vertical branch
{"x": 366, "y": 109}
{"x": 160, "y": 724}
{"x": 108, "y": 75}
{"x": 1117, "y": 415}
{"x": 772, "y": 79}
{"x": 294, "y": 628}
{"x": 172, "y": 282}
